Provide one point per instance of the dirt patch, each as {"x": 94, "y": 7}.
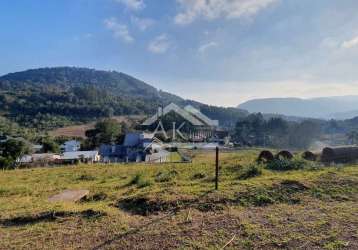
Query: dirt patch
{"x": 146, "y": 206}
{"x": 49, "y": 217}
{"x": 150, "y": 206}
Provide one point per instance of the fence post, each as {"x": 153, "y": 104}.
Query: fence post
{"x": 217, "y": 169}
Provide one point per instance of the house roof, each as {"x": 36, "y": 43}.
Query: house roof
{"x": 135, "y": 139}
{"x": 112, "y": 150}
{"x": 79, "y": 155}
{"x": 173, "y": 107}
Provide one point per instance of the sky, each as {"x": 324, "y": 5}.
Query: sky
{"x": 220, "y": 52}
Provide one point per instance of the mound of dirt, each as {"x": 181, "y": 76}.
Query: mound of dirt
{"x": 284, "y": 155}
{"x": 265, "y": 157}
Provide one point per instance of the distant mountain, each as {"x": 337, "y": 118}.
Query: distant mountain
{"x": 342, "y": 107}
{"x": 47, "y": 98}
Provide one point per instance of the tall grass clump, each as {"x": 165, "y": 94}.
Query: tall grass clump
{"x": 250, "y": 171}
{"x": 286, "y": 164}
{"x": 140, "y": 181}
{"x": 166, "y": 176}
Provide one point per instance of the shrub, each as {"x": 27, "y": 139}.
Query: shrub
{"x": 286, "y": 164}
{"x": 250, "y": 172}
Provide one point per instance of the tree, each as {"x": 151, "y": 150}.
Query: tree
{"x": 302, "y": 135}
{"x": 50, "y": 146}
{"x": 11, "y": 150}
{"x": 251, "y": 130}
{"x": 107, "y": 131}
{"x": 353, "y": 137}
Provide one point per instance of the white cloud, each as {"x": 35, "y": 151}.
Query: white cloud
{"x": 119, "y": 30}
{"x": 142, "y": 23}
{"x": 204, "y": 47}
{"x": 213, "y": 9}
{"x": 350, "y": 43}
{"x": 133, "y": 4}
{"x": 159, "y": 45}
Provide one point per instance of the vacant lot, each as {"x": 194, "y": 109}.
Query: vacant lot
{"x": 174, "y": 206}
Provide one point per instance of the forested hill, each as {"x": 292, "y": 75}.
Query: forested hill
{"x": 53, "y": 97}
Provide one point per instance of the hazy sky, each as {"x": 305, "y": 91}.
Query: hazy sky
{"x": 220, "y": 52}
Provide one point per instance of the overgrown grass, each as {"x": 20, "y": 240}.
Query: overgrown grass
{"x": 250, "y": 171}
{"x": 293, "y": 164}
{"x": 285, "y": 205}
{"x": 140, "y": 180}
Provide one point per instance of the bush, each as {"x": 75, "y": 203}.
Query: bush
{"x": 286, "y": 164}
{"x": 6, "y": 163}
{"x": 250, "y": 172}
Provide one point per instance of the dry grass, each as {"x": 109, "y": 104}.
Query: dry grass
{"x": 78, "y": 131}
{"x": 167, "y": 206}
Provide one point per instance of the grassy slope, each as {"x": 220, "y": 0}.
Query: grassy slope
{"x": 173, "y": 206}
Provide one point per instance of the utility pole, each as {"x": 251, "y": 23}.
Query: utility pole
{"x": 217, "y": 169}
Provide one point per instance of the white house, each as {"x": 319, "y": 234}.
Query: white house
{"x": 83, "y": 156}
{"x": 71, "y": 146}
{"x": 38, "y": 158}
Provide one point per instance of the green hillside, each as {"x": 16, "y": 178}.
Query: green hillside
{"x": 53, "y": 97}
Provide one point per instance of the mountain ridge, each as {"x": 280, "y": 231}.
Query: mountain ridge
{"x": 335, "y": 107}
{"x": 47, "y": 98}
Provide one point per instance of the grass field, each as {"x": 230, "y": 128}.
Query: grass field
{"x": 167, "y": 206}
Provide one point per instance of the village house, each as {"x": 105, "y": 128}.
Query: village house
{"x": 71, "y": 146}
{"x": 137, "y": 147}
{"x": 40, "y": 159}
{"x": 79, "y": 156}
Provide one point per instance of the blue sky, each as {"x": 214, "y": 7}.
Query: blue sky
{"x": 220, "y": 52}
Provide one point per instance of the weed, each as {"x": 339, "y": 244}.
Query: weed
{"x": 198, "y": 176}
{"x": 86, "y": 177}
{"x": 166, "y": 176}
{"x": 250, "y": 172}
{"x": 283, "y": 164}
{"x": 140, "y": 181}
{"x": 97, "y": 197}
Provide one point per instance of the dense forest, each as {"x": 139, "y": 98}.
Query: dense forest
{"x": 54, "y": 97}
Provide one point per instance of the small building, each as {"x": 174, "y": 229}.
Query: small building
{"x": 39, "y": 159}
{"x": 138, "y": 139}
{"x": 158, "y": 156}
{"x": 120, "y": 153}
{"x": 79, "y": 156}
{"x": 137, "y": 147}
{"x": 71, "y": 146}
{"x": 37, "y": 148}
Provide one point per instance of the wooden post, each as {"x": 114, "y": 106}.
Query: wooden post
{"x": 217, "y": 169}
